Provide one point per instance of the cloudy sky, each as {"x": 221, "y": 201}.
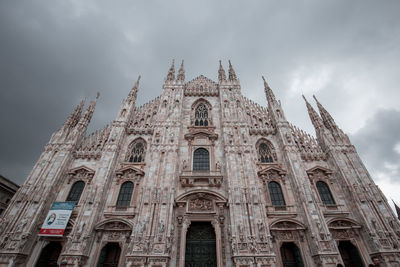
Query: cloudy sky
{"x": 347, "y": 53}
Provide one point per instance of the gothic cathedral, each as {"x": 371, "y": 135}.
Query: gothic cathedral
{"x": 201, "y": 176}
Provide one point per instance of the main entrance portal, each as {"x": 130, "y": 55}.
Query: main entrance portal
{"x": 350, "y": 255}
{"x": 200, "y": 245}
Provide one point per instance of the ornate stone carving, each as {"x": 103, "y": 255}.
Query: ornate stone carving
{"x": 201, "y": 86}
{"x": 81, "y": 173}
{"x": 271, "y": 172}
{"x": 200, "y": 204}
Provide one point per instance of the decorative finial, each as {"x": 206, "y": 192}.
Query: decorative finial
{"x": 221, "y": 73}
{"x": 133, "y": 93}
{"x": 232, "y": 74}
{"x": 326, "y": 117}
{"x": 181, "y": 73}
{"x": 269, "y": 93}
{"x": 315, "y": 118}
{"x": 171, "y": 72}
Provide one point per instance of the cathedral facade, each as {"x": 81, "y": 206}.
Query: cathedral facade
{"x": 201, "y": 176}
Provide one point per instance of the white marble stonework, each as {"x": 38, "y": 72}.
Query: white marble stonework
{"x": 148, "y": 152}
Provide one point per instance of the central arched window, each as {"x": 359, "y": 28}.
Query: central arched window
{"x": 325, "y": 193}
{"x": 76, "y": 191}
{"x": 125, "y": 194}
{"x": 201, "y": 160}
{"x": 137, "y": 151}
{"x": 201, "y": 115}
{"x": 276, "y": 195}
{"x": 264, "y": 153}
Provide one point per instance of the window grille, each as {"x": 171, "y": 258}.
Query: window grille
{"x": 325, "y": 193}
{"x": 201, "y": 115}
{"x": 76, "y": 191}
{"x": 275, "y": 192}
{"x": 264, "y": 153}
{"x": 125, "y": 194}
{"x": 201, "y": 160}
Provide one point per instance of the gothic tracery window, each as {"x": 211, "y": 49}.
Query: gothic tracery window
{"x": 264, "y": 153}
{"x": 137, "y": 151}
{"x": 201, "y": 160}
{"x": 125, "y": 194}
{"x": 201, "y": 115}
{"x": 76, "y": 191}
{"x": 325, "y": 193}
{"x": 276, "y": 195}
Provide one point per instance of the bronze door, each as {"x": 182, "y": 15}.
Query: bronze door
{"x": 49, "y": 255}
{"x": 109, "y": 255}
{"x": 349, "y": 254}
{"x": 291, "y": 256}
{"x": 200, "y": 245}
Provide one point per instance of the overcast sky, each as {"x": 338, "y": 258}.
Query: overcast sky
{"x": 347, "y": 53}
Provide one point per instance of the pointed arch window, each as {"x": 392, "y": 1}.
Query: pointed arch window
{"x": 201, "y": 115}
{"x": 276, "y": 195}
{"x": 264, "y": 153}
{"x": 76, "y": 191}
{"x": 137, "y": 151}
{"x": 125, "y": 194}
{"x": 201, "y": 160}
{"x": 325, "y": 193}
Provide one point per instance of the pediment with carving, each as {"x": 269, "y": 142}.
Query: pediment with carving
{"x": 83, "y": 173}
{"x": 201, "y": 202}
{"x": 270, "y": 172}
{"x": 318, "y": 172}
{"x": 201, "y": 133}
{"x": 129, "y": 173}
{"x": 115, "y": 230}
{"x": 114, "y": 225}
{"x": 343, "y": 224}
{"x": 201, "y": 86}
{"x": 287, "y": 225}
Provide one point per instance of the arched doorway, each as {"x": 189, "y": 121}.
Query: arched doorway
{"x": 109, "y": 255}
{"x": 350, "y": 255}
{"x": 49, "y": 255}
{"x": 200, "y": 245}
{"x": 291, "y": 256}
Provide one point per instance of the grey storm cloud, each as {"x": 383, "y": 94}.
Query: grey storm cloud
{"x": 54, "y": 53}
{"x": 378, "y": 141}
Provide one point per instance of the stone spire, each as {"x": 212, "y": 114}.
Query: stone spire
{"x": 232, "y": 74}
{"x": 75, "y": 115}
{"x": 326, "y": 117}
{"x": 87, "y": 116}
{"x": 397, "y": 209}
{"x": 181, "y": 73}
{"x": 134, "y": 91}
{"x": 171, "y": 72}
{"x": 221, "y": 73}
{"x": 315, "y": 118}
{"x": 269, "y": 94}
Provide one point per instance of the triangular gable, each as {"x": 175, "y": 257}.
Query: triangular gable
{"x": 81, "y": 168}
{"x": 272, "y": 169}
{"x": 319, "y": 168}
{"x": 126, "y": 169}
{"x": 201, "y": 78}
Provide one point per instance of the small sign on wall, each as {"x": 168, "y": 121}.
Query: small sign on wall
{"x": 57, "y": 219}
